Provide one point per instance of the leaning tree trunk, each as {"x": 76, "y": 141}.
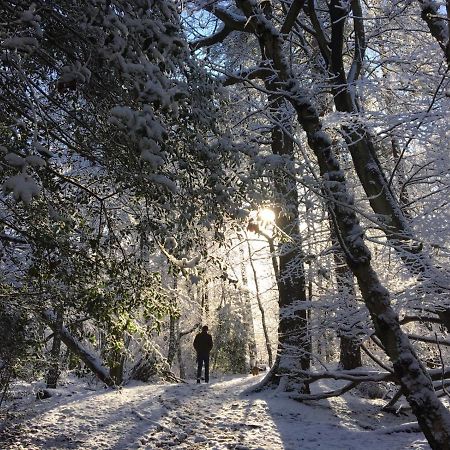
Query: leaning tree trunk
{"x": 363, "y": 151}
{"x": 91, "y": 361}
{"x": 433, "y": 417}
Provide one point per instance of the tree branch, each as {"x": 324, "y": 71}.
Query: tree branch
{"x": 408, "y": 319}
{"x": 360, "y": 42}
{"x": 375, "y": 359}
{"x": 291, "y": 16}
{"x": 321, "y": 37}
{"x": 211, "y": 40}
{"x": 437, "y": 25}
{"x": 231, "y": 20}
{"x": 191, "y": 330}
{"x": 431, "y": 340}
{"x": 349, "y": 375}
{"x": 15, "y": 240}
{"x": 335, "y": 393}
{"x": 248, "y": 74}
{"x": 390, "y": 405}
{"x": 338, "y": 17}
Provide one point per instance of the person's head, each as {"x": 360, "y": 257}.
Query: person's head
{"x": 204, "y": 328}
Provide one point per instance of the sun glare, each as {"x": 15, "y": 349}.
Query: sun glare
{"x": 266, "y": 215}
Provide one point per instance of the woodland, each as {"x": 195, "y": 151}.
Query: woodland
{"x": 275, "y": 169}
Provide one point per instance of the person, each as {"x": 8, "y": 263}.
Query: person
{"x": 203, "y": 344}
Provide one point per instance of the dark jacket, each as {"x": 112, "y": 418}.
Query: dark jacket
{"x": 203, "y": 342}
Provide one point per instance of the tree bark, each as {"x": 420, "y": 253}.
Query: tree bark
{"x": 181, "y": 365}
{"x": 173, "y": 339}
{"x": 294, "y": 349}
{"x": 205, "y": 303}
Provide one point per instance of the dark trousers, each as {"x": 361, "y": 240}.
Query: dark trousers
{"x": 203, "y": 358}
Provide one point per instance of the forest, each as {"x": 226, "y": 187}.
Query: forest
{"x": 277, "y": 170}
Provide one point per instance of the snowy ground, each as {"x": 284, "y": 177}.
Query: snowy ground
{"x": 190, "y": 416}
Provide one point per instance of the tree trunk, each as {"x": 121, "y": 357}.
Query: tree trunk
{"x": 294, "y": 342}
{"x": 350, "y": 350}
{"x": 116, "y": 362}
{"x": 294, "y": 345}
{"x": 173, "y": 326}
{"x": 370, "y": 173}
{"x": 182, "y": 334}
{"x": 173, "y": 339}
{"x": 76, "y": 347}
{"x": 350, "y": 353}
{"x": 205, "y": 304}
{"x": 248, "y": 316}
{"x": 54, "y": 369}
{"x": 261, "y": 308}
{"x": 181, "y": 364}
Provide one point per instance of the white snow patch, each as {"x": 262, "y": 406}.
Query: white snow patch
{"x": 23, "y": 186}
{"x": 215, "y": 416}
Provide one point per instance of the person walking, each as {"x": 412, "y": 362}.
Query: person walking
{"x": 203, "y": 344}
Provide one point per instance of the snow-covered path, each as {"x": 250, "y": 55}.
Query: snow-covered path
{"x": 194, "y": 417}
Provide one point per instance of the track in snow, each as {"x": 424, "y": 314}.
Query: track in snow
{"x": 193, "y": 417}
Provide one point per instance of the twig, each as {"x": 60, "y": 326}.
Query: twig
{"x": 389, "y": 406}
{"x": 375, "y": 359}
